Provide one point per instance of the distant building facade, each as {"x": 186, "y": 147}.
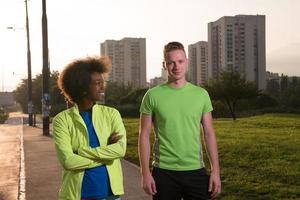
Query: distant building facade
{"x": 272, "y": 76}
{"x": 128, "y": 58}
{"x": 238, "y": 43}
{"x": 7, "y": 99}
{"x": 198, "y": 63}
{"x": 156, "y": 81}
{"x": 159, "y": 80}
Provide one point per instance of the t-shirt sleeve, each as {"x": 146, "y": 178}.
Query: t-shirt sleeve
{"x": 207, "y": 103}
{"x": 147, "y": 104}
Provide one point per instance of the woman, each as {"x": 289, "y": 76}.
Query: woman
{"x": 89, "y": 138}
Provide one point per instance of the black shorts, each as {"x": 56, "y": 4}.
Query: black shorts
{"x": 177, "y": 185}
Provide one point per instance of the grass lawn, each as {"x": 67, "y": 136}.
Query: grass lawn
{"x": 259, "y": 156}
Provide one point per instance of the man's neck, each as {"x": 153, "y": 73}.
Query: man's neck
{"x": 177, "y": 83}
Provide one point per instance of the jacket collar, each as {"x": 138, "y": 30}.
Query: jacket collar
{"x": 74, "y": 112}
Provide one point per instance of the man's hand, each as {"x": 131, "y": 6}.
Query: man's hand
{"x": 114, "y": 138}
{"x": 148, "y": 184}
{"x": 214, "y": 185}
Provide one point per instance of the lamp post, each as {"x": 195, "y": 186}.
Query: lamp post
{"x": 30, "y": 104}
{"x": 29, "y": 79}
{"x": 46, "y": 72}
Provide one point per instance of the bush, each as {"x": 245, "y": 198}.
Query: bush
{"x": 281, "y": 109}
{"x": 3, "y": 115}
{"x": 266, "y": 100}
{"x": 128, "y": 110}
{"x": 219, "y": 109}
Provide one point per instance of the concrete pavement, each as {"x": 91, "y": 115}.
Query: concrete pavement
{"x": 43, "y": 172}
{"x": 10, "y": 157}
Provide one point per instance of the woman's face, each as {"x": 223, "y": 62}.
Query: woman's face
{"x": 96, "y": 87}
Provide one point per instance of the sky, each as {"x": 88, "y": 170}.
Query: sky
{"x": 77, "y": 27}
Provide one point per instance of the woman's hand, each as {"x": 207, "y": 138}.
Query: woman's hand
{"x": 114, "y": 138}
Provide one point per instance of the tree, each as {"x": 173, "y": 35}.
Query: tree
{"x": 125, "y": 98}
{"x": 20, "y": 94}
{"x": 114, "y": 92}
{"x": 273, "y": 87}
{"x": 134, "y": 97}
{"x": 266, "y": 100}
{"x": 230, "y": 88}
{"x": 56, "y": 98}
{"x": 293, "y": 93}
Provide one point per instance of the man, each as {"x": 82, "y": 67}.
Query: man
{"x": 178, "y": 109}
{"x": 89, "y": 138}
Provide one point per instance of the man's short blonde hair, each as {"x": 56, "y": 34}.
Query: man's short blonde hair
{"x": 171, "y": 46}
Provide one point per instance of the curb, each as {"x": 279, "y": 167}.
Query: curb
{"x": 22, "y": 177}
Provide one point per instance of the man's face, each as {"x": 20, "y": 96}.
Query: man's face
{"x": 177, "y": 64}
{"x": 96, "y": 87}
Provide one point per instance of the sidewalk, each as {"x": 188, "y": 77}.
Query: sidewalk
{"x": 43, "y": 172}
{"x": 10, "y": 137}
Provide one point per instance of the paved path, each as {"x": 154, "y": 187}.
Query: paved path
{"x": 132, "y": 180}
{"x": 43, "y": 171}
{"x": 10, "y": 157}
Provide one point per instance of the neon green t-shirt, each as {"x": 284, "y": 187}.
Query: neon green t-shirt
{"x": 177, "y": 114}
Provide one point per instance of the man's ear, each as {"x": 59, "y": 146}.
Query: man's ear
{"x": 164, "y": 65}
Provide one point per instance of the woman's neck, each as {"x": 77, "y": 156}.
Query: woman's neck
{"x": 85, "y": 105}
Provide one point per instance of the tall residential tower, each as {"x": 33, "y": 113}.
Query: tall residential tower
{"x": 128, "y": 58}
{"x": 198, "y": 63}
{"x": 238, "y": 43}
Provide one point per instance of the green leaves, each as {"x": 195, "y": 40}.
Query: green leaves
{"x": 230, "y": 88}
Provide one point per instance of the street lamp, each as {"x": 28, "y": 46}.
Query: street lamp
{"x": 29, "y": 90}
{"x": 30, "y": 104}
{"x": 46, "y": 73}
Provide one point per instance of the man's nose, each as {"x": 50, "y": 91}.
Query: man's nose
{"x": 175, "y": 65}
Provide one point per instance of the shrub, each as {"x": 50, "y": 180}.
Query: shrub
{"x": 128, "y": 110}
{"x": 219, "y": 109}
{"x": 266, "y": 100}
{"x": 3, "y": 115}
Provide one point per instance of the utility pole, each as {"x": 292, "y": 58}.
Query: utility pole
{"x": 30, "y": 104}
{"x": 46, "y": 73}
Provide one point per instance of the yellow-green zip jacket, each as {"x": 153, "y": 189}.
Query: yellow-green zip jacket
{"x": 75, "y": 154}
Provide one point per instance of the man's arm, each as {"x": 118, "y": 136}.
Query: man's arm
{"x": 212, "y": 149}
{"x": 148, "y": 182}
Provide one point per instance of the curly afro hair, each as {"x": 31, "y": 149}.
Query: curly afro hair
{"x": 75, "y": 78}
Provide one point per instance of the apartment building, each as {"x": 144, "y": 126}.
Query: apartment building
{"x": 238, "y": 43}
{"x": 198, "y": 63}
{"x": 128, "y": 57}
